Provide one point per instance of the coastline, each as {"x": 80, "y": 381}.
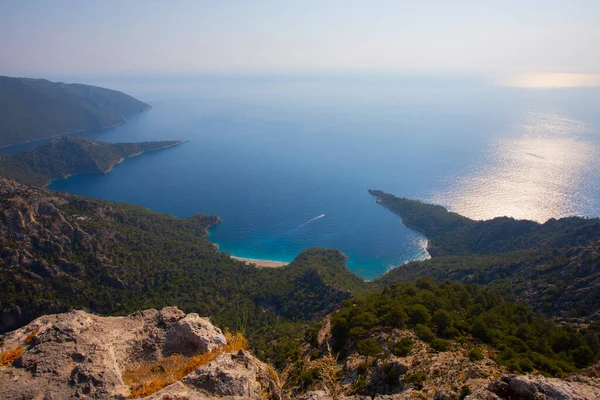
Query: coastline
{"x": 261, "y": 263}
{"x": 118, "y": 162}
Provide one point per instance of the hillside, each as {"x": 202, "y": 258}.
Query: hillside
{"x": 69, "y": 155}
{"x": 449, "y": 233}
{"x": 36, "y": 108}
{"x": 554, "y": 267}
{"x": 422, "y": 340}
{"x": 62, "y": 251}
{"x": 313, "y": 320}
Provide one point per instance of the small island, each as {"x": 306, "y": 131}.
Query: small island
{"x": 68, "y": 155}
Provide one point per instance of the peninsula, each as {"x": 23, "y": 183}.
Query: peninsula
{"x": 68, "y": 155}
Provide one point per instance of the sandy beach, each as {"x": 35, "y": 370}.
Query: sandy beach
{"x": 261, "y": 263}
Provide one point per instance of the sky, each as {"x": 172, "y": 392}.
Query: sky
{"x": 40, "y": 37}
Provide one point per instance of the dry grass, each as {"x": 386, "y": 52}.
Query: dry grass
{"x": 150, "y": 378}
{"x": 10, "y": 356}
{"x": 31, "y": 336}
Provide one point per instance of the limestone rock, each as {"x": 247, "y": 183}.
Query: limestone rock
{"x": 537, "y": 387}
{"x": 80, "y": 355}
{"x": 198, "y": 333}
{"x": 229, "y": 376}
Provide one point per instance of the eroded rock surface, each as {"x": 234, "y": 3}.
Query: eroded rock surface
{"x": 230, "y": 376}
{"x": 80, "y": 355}
{"x": 536, "y": 387}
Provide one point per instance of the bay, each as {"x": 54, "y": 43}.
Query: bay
{"x": 286, "y": 160}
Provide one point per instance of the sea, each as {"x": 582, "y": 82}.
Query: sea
{"x": 286, "y": 159}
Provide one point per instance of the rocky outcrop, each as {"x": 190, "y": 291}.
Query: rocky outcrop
{"x": 537, "y": 387}
{"x": 80, "y": 355}
{"x": 230, "y": 376}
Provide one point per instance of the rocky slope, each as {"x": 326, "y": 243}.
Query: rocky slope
{"x": 70, "y": 155}
{"x": 423, "y": 372}
{"x": 80, "y": 355}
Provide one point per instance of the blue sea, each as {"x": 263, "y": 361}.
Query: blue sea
{"x": 286, "y": 161}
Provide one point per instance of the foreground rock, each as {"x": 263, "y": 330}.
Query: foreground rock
{"x": 508, "y": 387}
{"x": 230, "y": 376}
{"x": 80, "y": 355}
{"x": 531, "y": 387}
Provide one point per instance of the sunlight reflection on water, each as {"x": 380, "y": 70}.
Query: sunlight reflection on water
{"x": 546, "y": 80}
{"x": 535, "y": 172}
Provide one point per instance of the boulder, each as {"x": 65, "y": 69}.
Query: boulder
{"x": 81, "y": 355}
{"x": 537, "y": 387}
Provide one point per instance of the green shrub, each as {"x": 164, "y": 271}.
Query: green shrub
{"x": 475, "y": 354}
{"x": 368, "y": 347}
{"x": 464, "y": 392}
{"x": 418, "y": 314}
{"x": 439, "y": 345}
{"x": 360, "y": 384}
{"x": 424, "y": 333}
{"x": 402, "y": 347}
{"x": 392, "y": 373}
{"x": 416, "y": 379}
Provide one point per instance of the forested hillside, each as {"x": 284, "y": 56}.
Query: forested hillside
{"x": 62, "y": 251}
{"x": 554, "y": 267}
{"x": 36, "y": 108}
{"x": 69, "y": 155}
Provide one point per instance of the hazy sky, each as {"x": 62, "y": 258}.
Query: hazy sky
{"x": 106, "y": 36}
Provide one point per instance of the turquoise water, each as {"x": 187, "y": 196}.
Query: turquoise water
{"x": 269, "y": 155}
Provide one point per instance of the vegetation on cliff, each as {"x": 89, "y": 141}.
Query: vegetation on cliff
{"x": 69, "y": 155}
{"x": 36, "y": 108}
{"x": 438, "y": 313}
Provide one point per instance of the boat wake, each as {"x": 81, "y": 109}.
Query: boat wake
{"x": 311, "y": 220}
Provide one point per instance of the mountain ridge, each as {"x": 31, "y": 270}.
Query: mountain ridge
{"x": 32, "y": 109}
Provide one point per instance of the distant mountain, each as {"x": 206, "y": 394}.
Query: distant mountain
{"x": 36, "y": 108}
{"x": 69, "y": 155}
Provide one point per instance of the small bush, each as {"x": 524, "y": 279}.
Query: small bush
{"x": 440, "y": 345}
{"x": 392, "y": 373}
{"x": 368, "y": 347}
{"x": 31, "y": 336}
{"x": 10, "y": 356}
{"x": 464, "y": 392}
{"x": 360, "y": 384}
{"x": 402, "y": 347}
{"x": 424, "y": 333}
{"x": 476, "y": 354}
{"x": 416, "y": 379}
{"x": 418, "y": 314}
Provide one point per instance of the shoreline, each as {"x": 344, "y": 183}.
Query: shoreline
{"x": 118, "y": 162}
{"x": 261, "y": 263}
